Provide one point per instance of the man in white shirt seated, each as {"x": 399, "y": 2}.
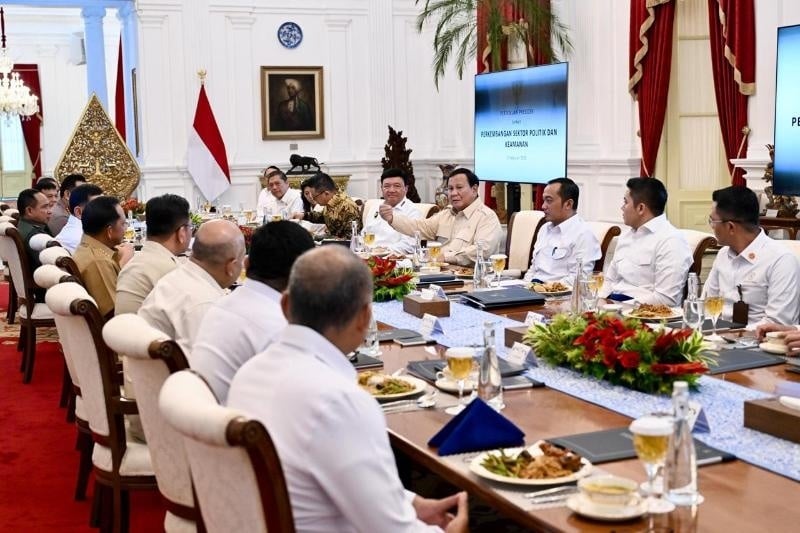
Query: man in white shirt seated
{"x": 767, "y": 272}
{"x": 71, "y": 234}
{"x": 460, "y": 226}
{"x": 245, "y": 322}
{"x": 169, "y": 232}
{"x": 564, "y": 236}
{"x": 181, "y": 298}
{"x": 330, "y": 434}
{"x": 277, "y": 197}
{"x": 652, "y": 260}
{"x": 394, "y": 185}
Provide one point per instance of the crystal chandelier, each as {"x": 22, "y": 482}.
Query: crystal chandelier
{"x": 15, "y": 97}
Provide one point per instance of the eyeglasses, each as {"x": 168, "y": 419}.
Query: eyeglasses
{"x": 711, "y": 221}
{"x": 392, "y": 187}
{"x": 315, "y": 196}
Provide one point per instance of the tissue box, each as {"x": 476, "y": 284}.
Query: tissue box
{"x": 515, "y": 335}
{"x": 769, "y": 416}
{"x": 413, "y": 304}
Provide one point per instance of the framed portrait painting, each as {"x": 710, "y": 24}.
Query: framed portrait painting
{"x": 291, "y": 103}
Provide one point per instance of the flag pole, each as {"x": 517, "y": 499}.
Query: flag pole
{"x": 202, "y": 75}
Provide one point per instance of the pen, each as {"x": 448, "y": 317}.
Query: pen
{"x": 554, "y": 251}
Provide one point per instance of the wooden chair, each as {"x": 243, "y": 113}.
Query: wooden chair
{"x": 13, "y": 305}
{"x": 427, "y": 210}
{"x": 120, "y": 465}
{"x": 605, "y": 233}
{"x": 522, "y": 230}
{"x": 236, "y": 470}
{"x": 699, "y": 242}
{"x": 150, "y": 359}
{"x": 32, "y": 315}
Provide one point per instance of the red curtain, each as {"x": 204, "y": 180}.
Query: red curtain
{"x": 510, "y": 13}
{"x": 32, "y": 126}
{"x": 119, "y": 96}
{"x": 733, "y": 61}
{"x": 649, "y": 65}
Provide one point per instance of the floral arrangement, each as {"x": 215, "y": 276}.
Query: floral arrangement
{"x": 247, "y": 233}
{"x": 132, "y": 205}
{"x": 390, "y": 282}
{"x": 623, "y": 351}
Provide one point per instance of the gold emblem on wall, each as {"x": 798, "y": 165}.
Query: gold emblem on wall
{"x": 97, "y": 151}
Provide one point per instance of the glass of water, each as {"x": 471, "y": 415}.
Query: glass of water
{"x": 588, "y": 293}
{"x": 694, "y": 314}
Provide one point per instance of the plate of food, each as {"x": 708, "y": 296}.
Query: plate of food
{"x": 385, "y": 387}
{"x": 552, "y": 288}
{"x": 462, "y": 272}
{"x": 541, "y": 463}
{"x": 653, "y": 312}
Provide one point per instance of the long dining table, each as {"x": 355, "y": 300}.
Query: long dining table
{"x": 738, "y": 496}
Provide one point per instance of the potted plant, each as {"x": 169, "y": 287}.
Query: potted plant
{"x": 456, "y": 34}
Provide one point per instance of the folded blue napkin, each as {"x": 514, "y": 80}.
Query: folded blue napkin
{"x": 477, "y": 427}
{"x": 619, "y": 297}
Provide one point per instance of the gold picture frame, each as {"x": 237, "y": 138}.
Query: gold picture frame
{"x": 292, "y": 103}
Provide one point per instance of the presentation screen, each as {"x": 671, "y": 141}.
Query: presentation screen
{"x": 786, "y": 180}
{"x": 521, "y": 124}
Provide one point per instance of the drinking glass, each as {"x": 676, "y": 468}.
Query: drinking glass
{"x": 498, "y": 265}
{"x": 435, "y": 251}
{"x": 359, "y": 242}
{"x": 713, "y": 306}
{"x": 423, "y": 257}
{"x": 693, "y": 314}
{"x": 588, "y": 294}
{"x": 651, "y": 441}
{"x": 596, "y": 281}
{"x": 130, "y": 233}
{"x": 459, "y": 363}
{"x": 369, "y": 239}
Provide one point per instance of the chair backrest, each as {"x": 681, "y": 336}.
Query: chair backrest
{"x": 792, "y": 245}
{"x": 65, "y": 262}
{"x": 13, "y": 252}
{"x": 6, "y": 218}
{"x": 604, "y": 232}
{"x": 427, "y": 210}
{"x": 151, "y": 357}
{"x": 699, "y": 242}
{"x": 48, "y": 275}
{"x": 40, "y": 241}
{"x": 522, "y": 230}
{"x": 79, "y": 327}
{"x": 236, "y": 471}
{"x": 49, "y": 255}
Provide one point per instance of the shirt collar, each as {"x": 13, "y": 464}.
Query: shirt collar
{"x": 72, "y": 220}
{"x": 750, "y": 254}
{"x": 568, "y": 225}
{"x": 94, "y": 244}
{"x": 655, "y": 224}
{"x": 156, "y": 248}
{"x": 308, "y": 341}
{"x": 201, "y": 272}
{"x": 261, "y": 288}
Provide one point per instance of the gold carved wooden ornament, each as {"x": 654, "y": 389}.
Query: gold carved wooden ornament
{"x": 97, "y": 151}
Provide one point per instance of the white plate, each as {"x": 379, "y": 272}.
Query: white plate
{"x": 580, "y": 504}
{"x": 777, "y": 349}
{"x": 448, "y": 385}
{"x": 419, "y": 386}
{"x": 676, "y": 313}
{"x": 478, "y": 469}
{"x": 553, "y": 293}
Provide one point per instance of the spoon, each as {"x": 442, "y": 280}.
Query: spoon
{"x": 423, "y": 402}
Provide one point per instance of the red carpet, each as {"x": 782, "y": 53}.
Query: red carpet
{"x": 38, "y": 461}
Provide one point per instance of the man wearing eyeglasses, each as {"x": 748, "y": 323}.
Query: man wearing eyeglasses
{"x": 394, "y": 185}
{"x": 652, "y": 260}
{"x": 340, "y": 210}
{"x": 767, "y": 272}
{"x": 563, "y": 237}
{"x": 276, "y": 196}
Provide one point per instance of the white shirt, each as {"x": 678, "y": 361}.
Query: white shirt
{"x": 178, "y": 302}
{"x": 650, "y": 264}
{"x": 557, "y": 247}
{"x": 769, "y": 274}
{"x": 330, "y": 435}
{"x": 385, "y": 235}
{"x": 291, "y": 201}
{"x": 233, "y": 330}
{"x": 70, "y": 235}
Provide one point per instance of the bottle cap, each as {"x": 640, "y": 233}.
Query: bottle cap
{"x": 680, "y": 386}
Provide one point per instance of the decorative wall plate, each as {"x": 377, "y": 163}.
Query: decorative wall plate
{"x": 290, "y": 35}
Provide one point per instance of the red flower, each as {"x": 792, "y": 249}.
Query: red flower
{"x": 629, "y": 359}
{"x": 679, "y": 369}
{"x": 665, "y": 341}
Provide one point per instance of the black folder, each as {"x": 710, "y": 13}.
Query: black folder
{"x": 617, "y": 444}
{"x": 363, "y": 362}
{"x": 505, "y": 297}
{"x": 742, "y": 359}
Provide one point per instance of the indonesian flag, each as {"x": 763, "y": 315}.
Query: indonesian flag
{"x": 206, "y": 159}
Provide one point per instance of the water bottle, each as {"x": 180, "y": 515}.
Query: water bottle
{"x": 490, "y": 385}
{"x": 680, "y": 468}
{"x": 371, "y": 346}
{"x": 417, "y": 248}
{"x": 354, "y": 237}
{"x": 576, "y": 306}
{"x": 693, "y": 285}
{"x": 478, "y": 271}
